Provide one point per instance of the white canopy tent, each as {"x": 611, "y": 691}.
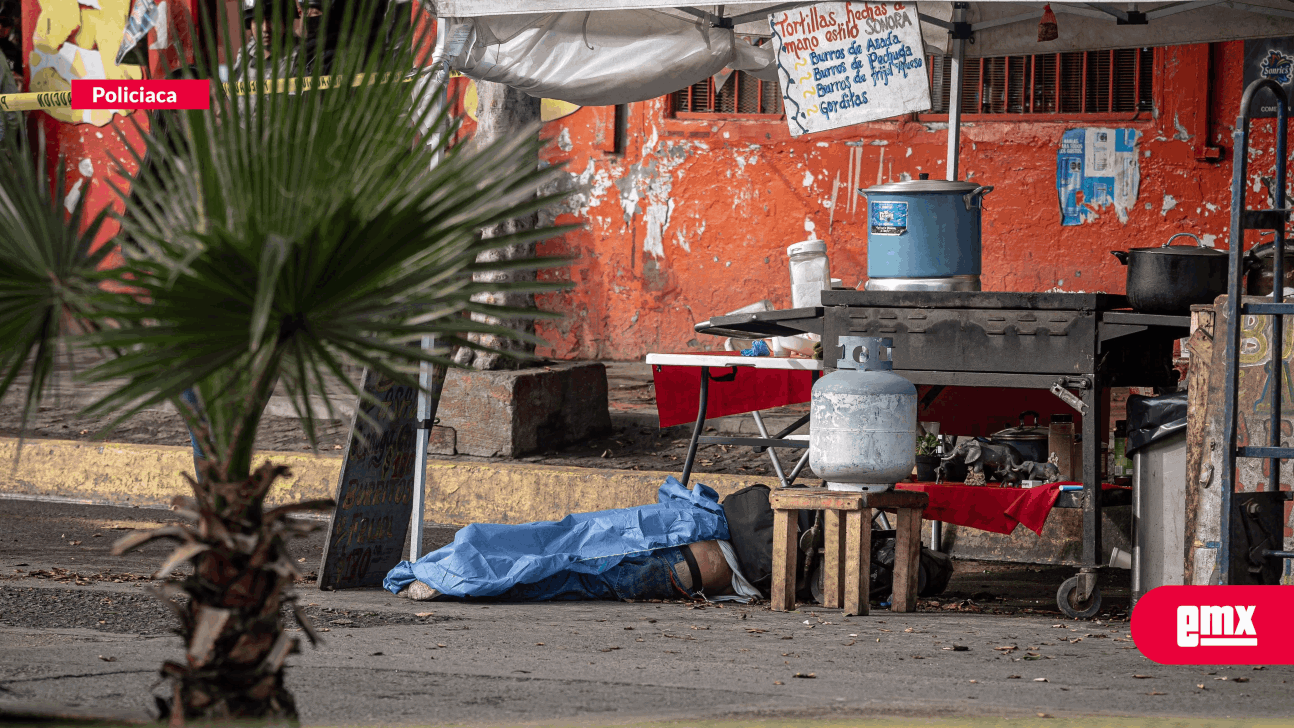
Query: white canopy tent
{"x": 597, "y": 52}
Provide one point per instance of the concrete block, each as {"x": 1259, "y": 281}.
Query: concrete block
{"x": 511, "y": 413}
{"x": 443, "y": 441}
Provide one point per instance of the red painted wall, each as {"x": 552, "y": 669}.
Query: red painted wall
{"x": 694, "y": 219}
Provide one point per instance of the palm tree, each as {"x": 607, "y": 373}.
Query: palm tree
{"x": 274, "y": 239}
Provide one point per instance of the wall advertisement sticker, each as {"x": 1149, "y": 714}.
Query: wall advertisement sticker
{"x": 1097, "y": 168}
{"x": 841, "y": 64}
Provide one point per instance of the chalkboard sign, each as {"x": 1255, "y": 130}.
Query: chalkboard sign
{"x": 841, "y": 64}
{"x": 375, "y": 491}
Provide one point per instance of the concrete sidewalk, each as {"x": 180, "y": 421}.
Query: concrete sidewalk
{"x": 92, "y": 643}
{"x": 611, "y": 662}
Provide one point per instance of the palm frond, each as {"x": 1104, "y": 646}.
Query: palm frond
{"x": 281, "y": 237}
{"x": 49, "y": 274}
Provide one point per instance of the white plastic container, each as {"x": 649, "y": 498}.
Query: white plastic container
{"x": 810, "y": 273}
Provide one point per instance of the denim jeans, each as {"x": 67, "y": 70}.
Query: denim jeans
{"x": 649, "y": 575}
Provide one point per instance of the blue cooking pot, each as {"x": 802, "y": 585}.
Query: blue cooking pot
{"x": 924, "y": 228}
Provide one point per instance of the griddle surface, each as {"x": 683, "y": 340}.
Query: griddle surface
{"x": 977, "y": 299}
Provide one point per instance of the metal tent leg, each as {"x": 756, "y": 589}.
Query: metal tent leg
{"x": 700, "y": 425}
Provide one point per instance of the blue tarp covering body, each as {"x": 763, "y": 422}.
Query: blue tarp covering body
{"x": 487, "y": 559}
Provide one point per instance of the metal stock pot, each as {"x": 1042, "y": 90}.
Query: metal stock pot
{"x": 924, "y": 228}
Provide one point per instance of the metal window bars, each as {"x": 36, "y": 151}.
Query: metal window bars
{"x": 1251, "y": 537}
{"x": 1079, "y": 82}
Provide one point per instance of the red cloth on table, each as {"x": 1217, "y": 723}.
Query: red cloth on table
{"x": 988, "y": 507}
{"x": 678, "y": 391}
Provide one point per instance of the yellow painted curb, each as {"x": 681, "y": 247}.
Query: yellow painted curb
{"x": 457, "y": 492}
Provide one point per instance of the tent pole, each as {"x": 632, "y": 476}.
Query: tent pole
{"x": 955, "y": 93}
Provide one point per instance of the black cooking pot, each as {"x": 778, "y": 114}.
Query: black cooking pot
{"x": 1168, "y": 280}
{"x": 1030, "y": 442}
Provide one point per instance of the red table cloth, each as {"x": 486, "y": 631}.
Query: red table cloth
{"x": 678, "y": 391}
{"x": 988, "y": 507}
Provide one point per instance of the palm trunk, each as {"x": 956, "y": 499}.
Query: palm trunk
{"x": 232, "y": 623}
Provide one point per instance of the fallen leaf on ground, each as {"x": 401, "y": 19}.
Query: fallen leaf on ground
{"x": 1007, "y": 648}
{"x": 975, "y": 681}
{"x": 805, "y": 675}
{"x": 1241, "y": 679}
{"x": 1041, "y": 679}
{"x": 756, "y": 631}
{"x": 1260, "y": 667}
{"x": 442, "y": 644}
{"x": 608, "y": 649}
{"x": 778, "y": 682}
{"x": 786, "y": 637}
{"x": 1143, "y": 677}
{"x": 1156, "y": 693}
{"x": 1012, "y": 677}
{"x": 1200, "y": 686}
{"x": 539, "y": 644}
{"x": 377, "y": 654}
{"x": 1044, "y": 715}
{"x": 957, "y": 648}
{"x": 107, "y": 658}
{"x": 424, "y": 614}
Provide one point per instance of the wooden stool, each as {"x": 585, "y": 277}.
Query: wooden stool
{"x": 853, "y": 542}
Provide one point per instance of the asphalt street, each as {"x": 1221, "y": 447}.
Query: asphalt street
{"x": 90, "y": 638}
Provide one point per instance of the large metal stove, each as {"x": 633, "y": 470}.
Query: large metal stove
{"x": 1074, "y": 344}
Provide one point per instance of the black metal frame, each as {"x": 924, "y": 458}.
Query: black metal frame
{"x": 760, "y": 444}
{"x": 1243, "y": 219}
{"x": 1054, "y": 340}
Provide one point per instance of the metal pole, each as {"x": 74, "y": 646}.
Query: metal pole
{"x": 431, "y": 380}
{"x": 955, "y": 93}
{"x": 700, "y": 425}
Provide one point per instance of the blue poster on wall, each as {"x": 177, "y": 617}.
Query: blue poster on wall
{"x": 1097, "y": 168}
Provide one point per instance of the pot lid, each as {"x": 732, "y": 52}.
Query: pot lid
{"x": 923, "y": 185}
{"x": 1021, "y": 433}
{"x": 1268, "y": 250}
{"x": 1199, "y": 249}
{"x": 1024, "y": 432}
{"x": 1181, "y": 250}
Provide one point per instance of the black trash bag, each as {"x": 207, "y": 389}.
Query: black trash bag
{"x": 932, "y": 577}
{"x": 750, "y": 531}
{"x": 1151, "y": 419}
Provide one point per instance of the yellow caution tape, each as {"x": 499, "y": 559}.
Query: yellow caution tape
{"x": 35, "y": 101}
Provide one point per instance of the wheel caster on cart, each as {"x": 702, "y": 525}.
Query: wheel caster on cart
{"x": 1071, "y": 600}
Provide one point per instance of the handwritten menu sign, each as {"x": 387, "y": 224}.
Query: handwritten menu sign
{"x": 847, "y": 63}
{"x": 375, "y": 493}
